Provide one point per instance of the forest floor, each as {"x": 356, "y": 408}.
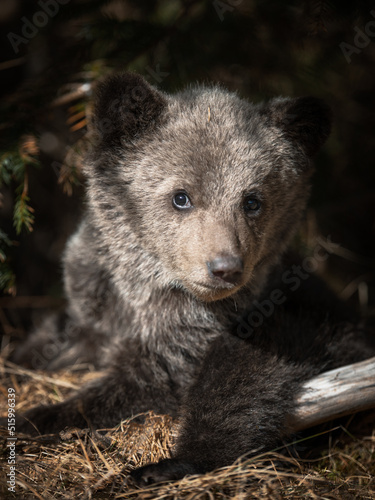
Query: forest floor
{"x": 336, "y": 461}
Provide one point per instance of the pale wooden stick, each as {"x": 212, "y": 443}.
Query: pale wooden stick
{"x": 335, "y": 394}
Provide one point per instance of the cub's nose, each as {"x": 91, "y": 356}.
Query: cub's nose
{"x": 228, "y": 268}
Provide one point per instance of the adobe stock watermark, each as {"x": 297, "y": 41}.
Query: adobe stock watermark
{"x": 11, "y": 440}
{"x": 156, "y": 73}
{"x": 68, "y": 335}
{"x": 30, "y": 27}
{"x": 361, "y": 39}
{"x": 222, "y": 7}
{"x": 292, "y": 277}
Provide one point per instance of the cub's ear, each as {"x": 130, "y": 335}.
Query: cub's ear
{"x": 125, "y": 107}
{"x": 306, "y": 121}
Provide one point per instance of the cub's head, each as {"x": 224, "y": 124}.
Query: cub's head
{"x": 209, "y": 185}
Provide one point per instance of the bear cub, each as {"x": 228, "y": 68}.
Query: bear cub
{"x": 192, "y": 200}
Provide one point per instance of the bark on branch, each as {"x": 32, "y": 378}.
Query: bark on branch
{"x": 336, "y": 393}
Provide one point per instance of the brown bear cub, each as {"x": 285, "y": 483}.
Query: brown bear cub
{"x": 192, "y": 200}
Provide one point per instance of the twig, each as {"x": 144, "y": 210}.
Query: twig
{"x": 34, "y": 302}
{"x": 12, "y": 63}
{"x": 11, "y": 368}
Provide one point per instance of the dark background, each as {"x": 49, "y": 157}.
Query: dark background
{"x": 259, "y": 48}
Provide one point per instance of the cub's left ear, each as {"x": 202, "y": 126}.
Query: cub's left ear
{"x": 306, "y": 121}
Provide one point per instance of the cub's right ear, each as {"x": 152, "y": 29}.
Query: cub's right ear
{"x": 125, "y": 107}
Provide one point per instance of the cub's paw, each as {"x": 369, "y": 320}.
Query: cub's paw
{"x": 48, "y": 419}
{"x": 166, "y": 470}
{"x": 34, "y": 422}
{"x": 38, "y": 421}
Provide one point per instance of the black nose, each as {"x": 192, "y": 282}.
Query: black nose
{"x": 227, "y": 268}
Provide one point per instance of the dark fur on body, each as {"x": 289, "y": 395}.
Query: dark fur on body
{"x": 243, "y": 398}
{"x": 156, "y": 293}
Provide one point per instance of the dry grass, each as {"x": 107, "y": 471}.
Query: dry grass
{"x": 80, "y": 464}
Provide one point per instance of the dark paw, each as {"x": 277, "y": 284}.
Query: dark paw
{"x": 37, "y": 421}
{"x": 49, "y": 419}
{"x": 166, "y": 470}
{"x": 32, "y": 423}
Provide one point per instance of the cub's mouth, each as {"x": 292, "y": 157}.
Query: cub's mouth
{"x": 214, "y": 290}
{"x": 217, "y": 285}
{"x": 215, "y": 279}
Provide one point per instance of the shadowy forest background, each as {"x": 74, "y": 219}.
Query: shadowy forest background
{"x": 53, "y": 52}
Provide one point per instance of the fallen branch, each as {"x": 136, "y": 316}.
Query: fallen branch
{"x": 336, "y": 393}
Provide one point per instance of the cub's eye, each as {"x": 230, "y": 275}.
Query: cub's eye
{"x": 251, "y": 204}
{"x": 181, "y": 201}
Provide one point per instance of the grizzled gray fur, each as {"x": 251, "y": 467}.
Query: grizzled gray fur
{"x": 192, "y": 200}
